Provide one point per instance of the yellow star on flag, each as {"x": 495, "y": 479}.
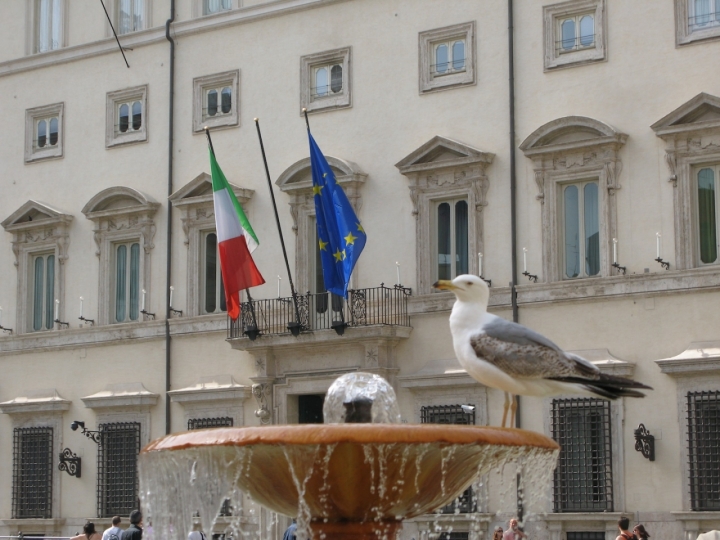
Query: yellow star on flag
{"x": 360, "y": 228}
{"x": 322, "y": 245}
{"x": 350, "y": 239}
{"x": 339, "y": 255}
{"x": 317, "y": 189}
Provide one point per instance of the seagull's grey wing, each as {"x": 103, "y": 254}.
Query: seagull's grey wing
{"x": 521, "y": 352}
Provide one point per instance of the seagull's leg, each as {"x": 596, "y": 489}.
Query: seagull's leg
{"x": 505, "y": 408}
{"x": 513, "y": 408}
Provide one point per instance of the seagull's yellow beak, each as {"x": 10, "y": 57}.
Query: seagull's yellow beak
{"x": 445, "y": 285}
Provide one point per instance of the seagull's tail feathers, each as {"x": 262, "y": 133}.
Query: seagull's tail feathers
{"x": 608, "y": 386}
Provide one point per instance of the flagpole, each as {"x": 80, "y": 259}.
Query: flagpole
{"x": 294, "y": 327}
{"x": 339, "y": 328}
{"x": 250, "y": 331}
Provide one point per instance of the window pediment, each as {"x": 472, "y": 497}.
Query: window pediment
{"x": 211, "y": 389}
{"x": 700, "y": 113}
{"x": 121, "y": 395}
{"x": 199, "y": 191}
{"x": 701, "y": 357}
{"x": 46, "y": 400}
{"x": 298, "y": 177}
{"x": 118, "y": 200}
{"x": 570, "y": 133}
{"x": 34, "y": 214}
{"x": 441, "y": 153}
{"x": 606, "y": 362}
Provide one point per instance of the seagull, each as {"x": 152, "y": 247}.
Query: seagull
{"x": 508, "y": 356}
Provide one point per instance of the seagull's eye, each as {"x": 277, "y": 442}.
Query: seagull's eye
{"x": 468, "y": 282}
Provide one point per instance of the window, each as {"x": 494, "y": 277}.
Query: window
{"x": 310, "y": 408}
{"x": 574, "y": 33}
{"x": 583, "y": 477}
{"x": 49, "y": 27}
{"x": 447, "y": 57}
{"x": 43, "y": 292}
{"x": 585, "y": 535}
{"x": 117, "y": 486}
{"x": 126, "y": 285}
{"x": 43, "y": 138}
{"x": 126, "y": 116}
{"x": 212, "y": 291}
{"x": 707, "y": 185}
{"x": 453, "y": 414}
{"x": 318, "y": 284}
{"x": 448, "y": 188}
{"x": 206, "y": 423}
{"x": 130, "y": 16}
{"x": 325, "y": 80}
{"x": 452, "y": 238}
{"x": 703, "y": 417}
{"x": 581, "y": 229}
{"x": 216, "y": 99}
{"x": 32, "y": 472}
{"x": 696, "y": 20}
{"x": 215, "y": 6}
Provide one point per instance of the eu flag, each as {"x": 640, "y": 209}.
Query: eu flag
{"x": 341, "y": 237}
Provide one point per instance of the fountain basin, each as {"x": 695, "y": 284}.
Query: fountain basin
{"x": 346, "y": 480}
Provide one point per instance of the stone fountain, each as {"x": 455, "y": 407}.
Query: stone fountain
{"x": 356, "y": 477}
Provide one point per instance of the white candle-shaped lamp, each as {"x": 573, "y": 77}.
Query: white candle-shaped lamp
{"x": 81, "y": 307}
{"x": 614, "y": 250}
{"x": 171, "y": 293}
{"x": 525, "y": 250}
{"x": 279, "y": 278}
{"x": 142, "y": 306}
{"x": 480, "y": 264}
{"x": 657, "y": 237}
{"x": 57, "y": 309}
{"x": 397, "y": 267}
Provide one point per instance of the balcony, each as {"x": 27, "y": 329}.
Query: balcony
{"x": 377, "y": 306}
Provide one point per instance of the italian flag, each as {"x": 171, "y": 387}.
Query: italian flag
{"x": 236, "y": 241}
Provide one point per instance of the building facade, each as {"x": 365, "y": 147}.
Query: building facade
{"x": 608, "y": 134}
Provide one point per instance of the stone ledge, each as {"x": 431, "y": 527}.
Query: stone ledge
{"x": 701, "y": 357}
{"x": 121, "y": 395}
{"x": 211, "y": 389}
{"x": 47, "y": 401}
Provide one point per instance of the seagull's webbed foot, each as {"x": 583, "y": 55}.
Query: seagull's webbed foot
{"x": 513, "y": 408}
{"x": 506, "y": 406}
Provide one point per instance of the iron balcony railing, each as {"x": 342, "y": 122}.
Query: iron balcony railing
{"x": 323, "y": 311}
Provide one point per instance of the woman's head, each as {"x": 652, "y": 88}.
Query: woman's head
{"x": 640, "y": 532}
{"x": 89, "y": 529}
{"x": 498, "y": 534}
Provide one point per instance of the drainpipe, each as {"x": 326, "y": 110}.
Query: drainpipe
{"x": 168, "y": 269}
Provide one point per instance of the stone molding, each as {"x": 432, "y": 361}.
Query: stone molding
{"x": 37, "y": 401}
{"x": 694, "y": 523}
{"x": 213, "y": 397}
{"x": 476, "y": 524}
{"x": 121, "y": 214}
{"x": 426, "y": 59}
{"x": 215, "y": 80}
{"x": 121, "y": 395}
{"x": 443, "y": 168}
{"x": 197, "y": 211}
{"x": 155, "y": 35}
{"x": 36, "y": 228}
{"x": 296, "y": 181}
{"x": 33, "y": 154}
{"x": 558, "y": 524}
{"x": 700, "y": 358}
{"x": 136, "y": 93}
{"x": 574, "y": 148}
{"x": 342, "y": 56}
{"x": 692, "y": 137}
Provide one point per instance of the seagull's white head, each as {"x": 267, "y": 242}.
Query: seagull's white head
{"x": 467, "y": 288}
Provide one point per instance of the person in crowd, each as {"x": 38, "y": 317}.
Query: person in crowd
{"x": 498, "y": 534}
{"x": 623, "y": 525}
{"x": 290, "y": 532}
{"x": 89, "y": 533}
{"x": 640, "y": 532}
{"x": 134, "y": 531}
{"x": 114, "y": 532}
{"x": 513, "y": 532}
{"x": 197, "y": 535}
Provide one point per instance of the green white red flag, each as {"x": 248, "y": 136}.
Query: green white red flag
{"x": 236, "y": 241}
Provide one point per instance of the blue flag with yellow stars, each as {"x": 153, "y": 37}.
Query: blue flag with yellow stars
{"x": 341, "y": 237}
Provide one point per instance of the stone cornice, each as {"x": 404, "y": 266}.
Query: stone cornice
{"x": 157, "y": 34}
{"x": 611, "y": 517}
{"x": 47, "y": 401}
{"x": 211, "y": 389}
{"x": 121, "y": 395}
{"x": 701, "y": 357}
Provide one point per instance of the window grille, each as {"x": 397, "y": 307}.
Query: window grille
{"x": 704, "y": 449}
{"x": 583, "y": 477}
{"x": 32, "y": 473}
{"x": 204, "y": 423}
{"x": 454, "y": 536}
{"x": 117, "y": 487}
{"x": 453, "y": 414}
{"x": 586, "y": 535}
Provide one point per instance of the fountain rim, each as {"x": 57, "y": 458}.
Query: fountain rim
{"x": 314, "y": 434}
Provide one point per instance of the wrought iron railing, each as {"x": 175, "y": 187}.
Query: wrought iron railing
{"x": 364, "y": 307}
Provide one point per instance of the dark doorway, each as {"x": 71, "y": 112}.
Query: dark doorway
{"x": 310, "y": 409}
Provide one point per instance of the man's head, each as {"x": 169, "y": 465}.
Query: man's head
{"x": 116, "y": 521}
{"x": 623, "y": 523}
{"x": 513, "y": 524}
{"x": 136, "y": 517}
